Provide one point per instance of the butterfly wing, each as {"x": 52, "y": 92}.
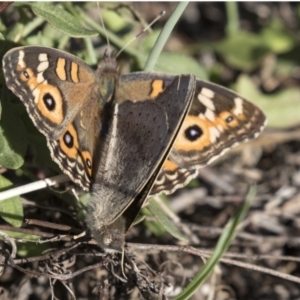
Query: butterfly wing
{"x": 57, "y": 88}
{"x": 218, "y": 120}
{"x": 172, "y": 177}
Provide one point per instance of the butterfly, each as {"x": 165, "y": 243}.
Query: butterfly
{"x": 125, "y": 137}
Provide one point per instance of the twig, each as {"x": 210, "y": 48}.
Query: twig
{"x": 41, "y": 184}
{"x": 200, "y": 253}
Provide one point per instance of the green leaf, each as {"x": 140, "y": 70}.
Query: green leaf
{"x": 15, "y": 33}
{"x": 179, "y": 64}
{"x": 154, "y": 226}
{"x": 42, "y": 155}
{"x": 276, "y": 37}
{"x": 32, "y": 26}
{"x": 243, "y": 50}
{"x": 113, "y": 20}
{"x": 10, "y": 158}
{"x": 41, "y": 40}
{"x": 164, "y": 220}
{"x": 27, "y": 249}
{"x": 139, "y": 218}
{"x": 13, "y": 137}
{"x": 11, "y": 210}
{"x": 246, "y": 51}
{"x": 48, "y": 36}
{"x": 149, "y": 40}
{"x": 175, "y": 63}
{"x": 281, "y": 108}
{"x": 61, "y": 19}
{"x": 221, "y": 247}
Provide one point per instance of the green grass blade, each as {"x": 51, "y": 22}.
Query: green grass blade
{"x": 233, "y": 24}
{"x": 164, "y": 35}
{"x": 221, "y": 247}
{"x": 155, "y": 208}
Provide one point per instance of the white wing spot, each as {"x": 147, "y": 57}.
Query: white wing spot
{"x": 80, "y": 171}
{"x": 238, "y": 106}
{"x": 248, "y": 125}
{"x": 36, "y": 93}
{"x": 21, "y": 62}
{"x": 220, "y": 128}
{"x": 208, "y": 93}
{"x": 206, "y": 101}
{"x": 62, "y": 156}
{"x": 210, "y": 115}
{"x": 160, "y": 181}
{"x": 214, "y": 133}
{"x": 71, "y": 164}
{"x": 40, "y": 78}
{"x": 171, "y": 177}
{"x": 43, "y": 57}
{"x": 43, "y": 66}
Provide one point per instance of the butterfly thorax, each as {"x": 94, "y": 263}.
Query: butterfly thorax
{"x": 107, "y": 75}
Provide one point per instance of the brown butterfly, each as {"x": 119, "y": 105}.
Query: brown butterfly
{"x": 124, "y": 137}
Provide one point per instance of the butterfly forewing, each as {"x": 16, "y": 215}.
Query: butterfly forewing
{"x": 58, "y": 90}
{"x": 218, "y": 120}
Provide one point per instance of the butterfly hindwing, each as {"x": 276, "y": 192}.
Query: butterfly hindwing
{"x": 218, "y": 120}
{"x": 172, "y": 177}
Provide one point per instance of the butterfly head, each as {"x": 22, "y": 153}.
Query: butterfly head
{"x": 112, "y": 240}
{"x": 110, "y": 237}
{"x": 107, "y": 74}
{"x": 108, "y": 63}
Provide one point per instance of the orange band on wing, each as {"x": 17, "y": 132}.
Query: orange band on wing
{"x": 74, "y": 72}
{"x": 60, "y": 69}
{"x": 170, "y": 165}
{"x": 157, "y": 87}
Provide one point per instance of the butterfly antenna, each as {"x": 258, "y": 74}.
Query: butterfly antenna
{"x": 162, "y": 13}
{"x": 102, "y": 23}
